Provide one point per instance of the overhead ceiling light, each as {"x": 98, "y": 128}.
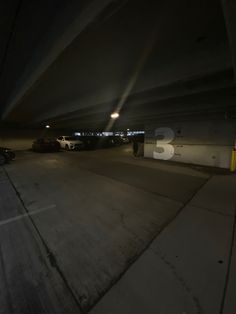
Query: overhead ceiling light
{"x": 127, "y": 129}
{"x": 115, "y": 115}
{"x": 47, "y": 126}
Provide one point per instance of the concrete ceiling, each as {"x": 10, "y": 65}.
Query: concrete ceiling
{"x": 71, "y": 64}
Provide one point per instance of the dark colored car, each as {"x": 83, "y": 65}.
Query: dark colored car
{"x": 6, "y": 155}
{"x": 97, "y": 142}
{"x": 45, "y": 145}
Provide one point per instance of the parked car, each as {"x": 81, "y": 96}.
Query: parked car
{"x": 6, "y": 155}
{"x": 70, "y": 142}
{"x": 45, "y": 145}
{"x": 98, "y": 142}
{"x": 125, "y": 140}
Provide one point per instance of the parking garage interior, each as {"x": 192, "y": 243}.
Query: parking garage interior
{"x": 117, "y": 157}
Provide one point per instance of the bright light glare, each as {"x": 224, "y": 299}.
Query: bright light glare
{"x": 115, "y": 115}
{"x": 47, "y": 126}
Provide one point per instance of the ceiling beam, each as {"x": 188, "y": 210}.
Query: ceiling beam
{"x": 229, "y": 9}
{"x": 58, "y": 38}
{"x": 191, "y": 86}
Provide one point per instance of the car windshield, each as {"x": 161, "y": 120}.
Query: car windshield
{"x": 71, "y": 138}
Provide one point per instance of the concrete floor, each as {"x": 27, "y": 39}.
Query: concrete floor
{"x": 104, "y": 232}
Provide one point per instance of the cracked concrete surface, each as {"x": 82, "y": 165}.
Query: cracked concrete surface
{"x": 29, "y": 284}
{"x": 104, "y": 233}
{"x": 185, "y": 268}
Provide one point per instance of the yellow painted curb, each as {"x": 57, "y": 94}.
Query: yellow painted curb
{"x": 233, "y": 160}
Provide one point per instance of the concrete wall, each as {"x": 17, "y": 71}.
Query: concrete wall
{"x": 21, "y": 139}
{"x": 205, "y": 143}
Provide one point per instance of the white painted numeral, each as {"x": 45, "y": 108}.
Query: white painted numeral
{"x": 163, "y": 150}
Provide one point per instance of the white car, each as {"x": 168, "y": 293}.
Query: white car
{"x": 70, "y": 142}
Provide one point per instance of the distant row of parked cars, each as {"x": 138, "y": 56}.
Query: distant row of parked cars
{"x": 75, "y": 143}
{"x": 65, "y": 142}
{"x": 54, "y": 145}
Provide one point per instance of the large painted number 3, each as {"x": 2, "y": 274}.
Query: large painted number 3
{"x": 163, "y": 150}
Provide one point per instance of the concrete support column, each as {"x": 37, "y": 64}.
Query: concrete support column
{"x": 229, "y": 9}
{"x": 208, "y": 143}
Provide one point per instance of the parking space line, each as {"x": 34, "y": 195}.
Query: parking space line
{"x": 13, "y": 219}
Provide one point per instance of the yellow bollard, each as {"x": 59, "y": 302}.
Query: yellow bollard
{"x": 233, "y": 160}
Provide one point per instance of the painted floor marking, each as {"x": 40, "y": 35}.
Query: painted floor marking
{"x": 13, "y": 219}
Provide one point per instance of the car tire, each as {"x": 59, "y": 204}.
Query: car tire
{"x": 3, "y": 160}
{"x": 66, "y": 147}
